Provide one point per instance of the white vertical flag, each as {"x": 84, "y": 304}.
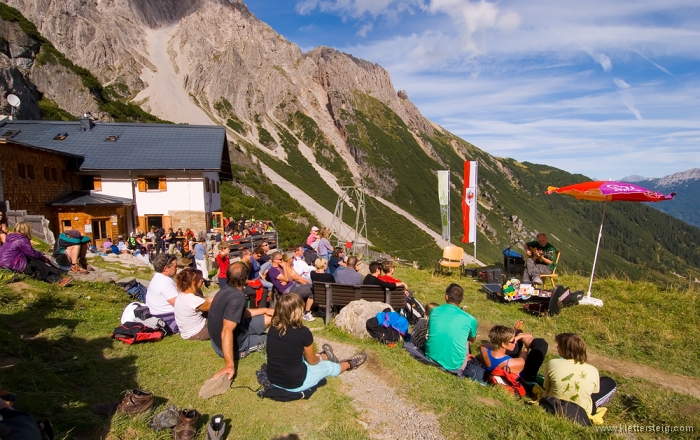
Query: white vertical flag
{"x": 444, "y": 198}
{"x": 469, "y": 201}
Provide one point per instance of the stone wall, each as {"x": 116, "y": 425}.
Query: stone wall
{"x": 195, "y": 220}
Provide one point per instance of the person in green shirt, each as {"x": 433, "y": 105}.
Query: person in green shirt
{"x": 450, "y": 330}
{"x": 541, "y": 259}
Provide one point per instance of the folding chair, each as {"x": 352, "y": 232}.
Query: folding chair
{"x": 452, "y": 258}
{"x": 552, "y": 275}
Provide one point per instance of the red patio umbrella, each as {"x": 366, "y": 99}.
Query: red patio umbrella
{"x": 607, "y": 191}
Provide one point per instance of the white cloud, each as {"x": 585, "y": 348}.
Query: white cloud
{"x": 621, "y": 84}
{"x": 360, "y": 8}
{"x": 603, "y": 60}
{"x": 365, "y": 29}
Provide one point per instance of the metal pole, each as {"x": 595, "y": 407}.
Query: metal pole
{"x": 588, "y": 300}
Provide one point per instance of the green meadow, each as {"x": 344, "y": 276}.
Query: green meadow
{"x": 56, "y": 354}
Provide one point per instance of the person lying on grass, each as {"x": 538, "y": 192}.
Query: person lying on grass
{"x": 571, "y": 378}
{"x": 520, "y": 354}
{"x": 234, "y": 329}
{"x": 292, "y": 363}
{"x": 18, "y": 255}
{"x": 189, "y": 306}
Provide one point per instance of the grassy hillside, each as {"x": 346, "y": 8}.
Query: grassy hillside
{"x": 58, "y": 358}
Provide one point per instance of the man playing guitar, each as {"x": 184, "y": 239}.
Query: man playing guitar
{"x": 541, "y": 255}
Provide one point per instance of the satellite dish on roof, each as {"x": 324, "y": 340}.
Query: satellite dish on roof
{"x": 14, "y": 101}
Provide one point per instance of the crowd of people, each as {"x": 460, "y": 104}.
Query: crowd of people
{"x": 447, "y": 333}
{"x": 237, "y": 320}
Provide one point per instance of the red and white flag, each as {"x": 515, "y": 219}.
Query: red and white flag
{"x": 469, "y": 201}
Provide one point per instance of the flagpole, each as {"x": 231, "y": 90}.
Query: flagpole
{"x": 476, "y": 203}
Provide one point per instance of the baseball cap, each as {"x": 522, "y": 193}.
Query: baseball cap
{"x": 314, "y": 228}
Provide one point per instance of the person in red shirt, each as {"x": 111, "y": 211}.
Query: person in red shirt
{"x": 388, "y": 275}
{"x": 222, "y": 260}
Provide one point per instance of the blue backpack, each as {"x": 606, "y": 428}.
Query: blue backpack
{"x": 393, "y": 320}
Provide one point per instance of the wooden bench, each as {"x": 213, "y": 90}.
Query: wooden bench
{"x": 333, "y": 295}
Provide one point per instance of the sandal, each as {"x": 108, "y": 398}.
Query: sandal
{"x": 328, "y": 351}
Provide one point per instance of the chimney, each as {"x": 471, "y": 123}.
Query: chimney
{"x": 86, "y": 123}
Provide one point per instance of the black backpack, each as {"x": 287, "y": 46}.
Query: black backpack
{"x": 386, "y": 335}
{"x": 310, "y": 256}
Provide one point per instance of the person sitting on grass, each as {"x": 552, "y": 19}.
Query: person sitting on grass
{"x": 18, "y": 255}
{"x": 420, "y": 329}
{"x": 222, "y": 260}
{"x": 234, "y": 329}
{"x": 521, "y": 353}
{"x": 450, "y": 330}
{"x": 162, "y": 291}
{"x": 292, "y": 363}
{"x": 570, "y": 377}
{"x": 190, "y": 307}
{"x": 70, "y": 250}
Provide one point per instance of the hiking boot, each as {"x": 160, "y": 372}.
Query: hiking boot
{"x": 134, "y": 402}
{"x": 216, "y": 428}
{"x": 166, "y": 419}
{"x": 84, "y": 264}
{"x": 77, "y": 269}
{"x": 65, "y": 281}
{"x": 356, "y": 360}
{"x": 328, "y": 351}
{"x": 186, "y": 428}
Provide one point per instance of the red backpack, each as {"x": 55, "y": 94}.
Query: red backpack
{"x": 507, "y": 380}
{"x": 135, "y": 332}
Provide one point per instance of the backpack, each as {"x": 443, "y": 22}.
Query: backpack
{"x": 135, "y": 332}
{"x": 506, "y": 379}
{"x": 310, "y": 256}
{"x": 385, "y": 335}
{"x": 413, "y": 310}
{"x": 136, "y": 291}
{"x": 131, "y": 243}
{"x": 393, "y": 320}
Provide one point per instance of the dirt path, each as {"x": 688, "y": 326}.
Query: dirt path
{"x": 324, "y": 215}
{"x": 675, "y": 382}
{"x": 469, "y": 259}
{"x": 400, "y": 420}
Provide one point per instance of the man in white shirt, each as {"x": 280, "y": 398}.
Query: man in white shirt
{"x": 162, "y": 291}
{"x": 300, "y": 266}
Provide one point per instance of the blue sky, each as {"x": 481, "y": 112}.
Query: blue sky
{"x": 602, "y": 88}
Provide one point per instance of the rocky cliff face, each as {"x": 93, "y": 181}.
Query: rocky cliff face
{"x": 31, "y": 78}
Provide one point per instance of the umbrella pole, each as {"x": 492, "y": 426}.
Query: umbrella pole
{"x": 588, "y": 300}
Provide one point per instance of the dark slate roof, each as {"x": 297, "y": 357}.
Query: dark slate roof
{"x": 86, "y": 198}
{"x": 139, "y": 146}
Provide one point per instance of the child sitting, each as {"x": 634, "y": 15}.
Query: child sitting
{"x": 420, "y": 329}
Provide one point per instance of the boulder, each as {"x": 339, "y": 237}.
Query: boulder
{"x": 353, "y": 317}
